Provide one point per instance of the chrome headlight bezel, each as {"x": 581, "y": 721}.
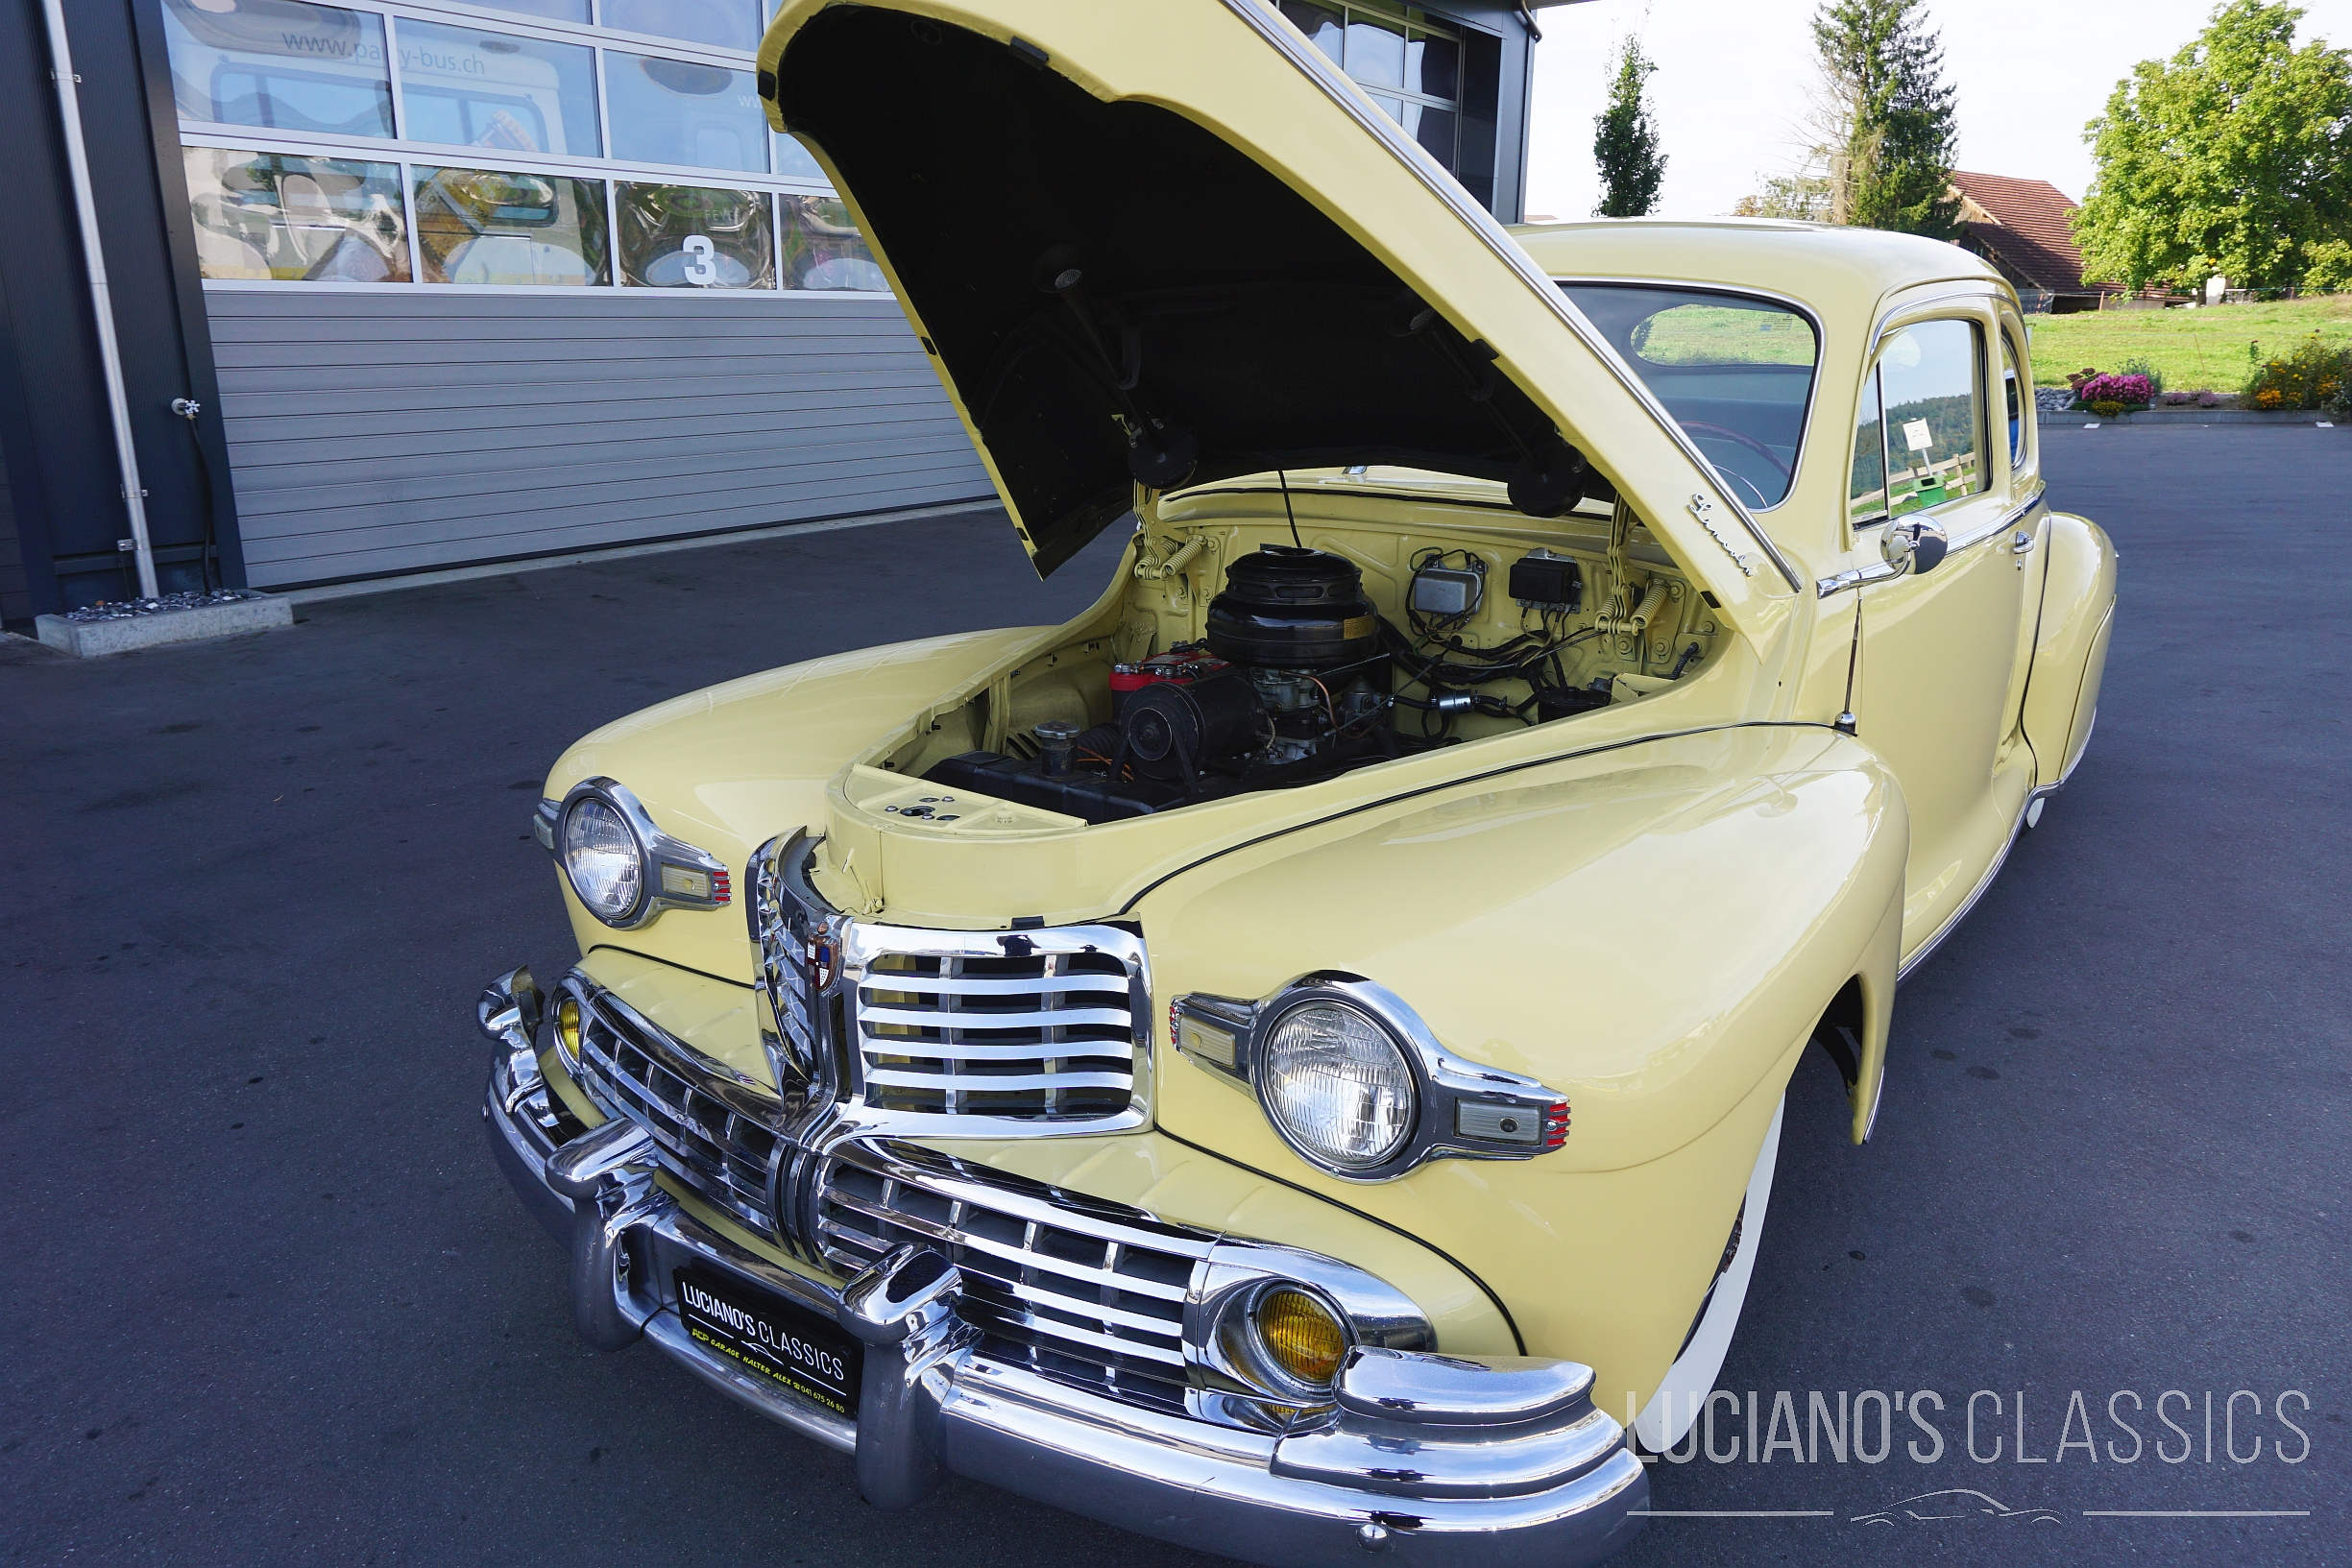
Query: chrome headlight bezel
{"x": 674, "y": 875}
{"x": 1284, "y": 1112}
{"x": 1462, "y": 1110}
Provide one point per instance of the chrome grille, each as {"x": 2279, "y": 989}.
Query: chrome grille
{"x": 1031, "y": 1036}
{"x": 1075, "y": 1287}
{"x": 715, "y": 1133}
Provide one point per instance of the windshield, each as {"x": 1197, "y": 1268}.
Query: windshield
{"x": 1734, "y": 372}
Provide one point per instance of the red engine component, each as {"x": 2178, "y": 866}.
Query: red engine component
{"x": 1182, "y": 665}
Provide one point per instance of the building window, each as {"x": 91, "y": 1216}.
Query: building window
{"x": 822, "y": 247}
{"x": 686, "y": 236}
{"x": 318, "y": 147}
{"x": 316, "y": 219}
{"x": 472, "y": 89}
{"x": 1440, "y": 82}
{"x": 488, "y": 226}
{"x": 730, "y": 24}
{"x": 280, "y": 64}
{"x": 678, "y": 112}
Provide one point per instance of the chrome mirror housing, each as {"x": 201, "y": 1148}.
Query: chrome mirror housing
{"x": 1912, "y": 547}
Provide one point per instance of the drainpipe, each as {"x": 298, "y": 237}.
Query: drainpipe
{"x": 102, "y": 304}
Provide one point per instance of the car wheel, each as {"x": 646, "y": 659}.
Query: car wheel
{"x": 1674, "y": 1409}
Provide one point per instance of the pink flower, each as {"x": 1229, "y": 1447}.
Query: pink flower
{"x": 2133, "y": 390}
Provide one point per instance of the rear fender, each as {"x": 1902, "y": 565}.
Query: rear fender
{"x": 2069, "y": 650}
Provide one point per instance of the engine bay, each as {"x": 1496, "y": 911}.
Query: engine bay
{"x": 1239, "y": 656}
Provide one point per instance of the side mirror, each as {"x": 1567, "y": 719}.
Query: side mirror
{"x": 1928, "y": 546}
{"x": 1913, "y": 547}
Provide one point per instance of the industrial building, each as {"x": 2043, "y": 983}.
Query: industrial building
{"x": 398, "y": 286}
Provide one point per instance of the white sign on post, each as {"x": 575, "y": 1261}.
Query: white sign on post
{"x": 1916, "y": 432}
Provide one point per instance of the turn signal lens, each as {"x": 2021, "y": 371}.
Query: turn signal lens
{"x": 567, "y": 1028}
{"x": 1300, "y": 1336}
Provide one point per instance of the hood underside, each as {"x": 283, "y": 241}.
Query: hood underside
{"x": 1118, "y": 295}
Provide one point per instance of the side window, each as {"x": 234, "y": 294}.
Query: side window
{"x": 1866, "y": 494}
{"x": 1929, "y": 379}
{"x": 2013, "y": 387}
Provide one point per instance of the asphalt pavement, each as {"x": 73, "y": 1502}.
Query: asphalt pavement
{"x": 268, "y": 1301}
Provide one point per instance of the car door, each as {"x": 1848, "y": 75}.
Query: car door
{"x": 1938, "y": 677}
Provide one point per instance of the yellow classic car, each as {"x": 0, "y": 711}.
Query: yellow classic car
{"x": 1291, "y": 1061}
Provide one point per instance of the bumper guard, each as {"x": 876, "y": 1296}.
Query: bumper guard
{"x": 1477, "y": 1461}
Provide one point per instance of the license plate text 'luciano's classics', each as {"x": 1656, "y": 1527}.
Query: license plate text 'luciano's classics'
{"x": 772, "y": 1339}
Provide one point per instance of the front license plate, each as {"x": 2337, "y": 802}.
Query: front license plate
{"x": 771, "y": 1337}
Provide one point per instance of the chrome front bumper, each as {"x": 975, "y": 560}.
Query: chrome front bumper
{"x": 1433, "y": 1459}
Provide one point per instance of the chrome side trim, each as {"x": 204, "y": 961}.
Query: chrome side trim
{"x": 1987, "y": 294}
{"x": 1879, "y": 571}
{"x": 1343, "y": 92}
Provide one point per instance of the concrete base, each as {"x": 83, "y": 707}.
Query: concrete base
{"x": 2188, "y": 416}
{"x": 94, "y": 639}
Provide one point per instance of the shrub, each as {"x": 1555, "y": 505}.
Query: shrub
{"x": 2306, "y": 377}
{"x": 2208, "y": 400}
{"x": 2126, "y": 391}
{"x": 2146, "y": 372}
{"x": 2107, "y": 408}
{"x": 2179, "y": 399}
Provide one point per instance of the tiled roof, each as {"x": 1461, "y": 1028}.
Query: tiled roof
{"x": 2021, "y": 226}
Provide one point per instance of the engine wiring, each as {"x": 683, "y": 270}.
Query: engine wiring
{"x": 1436, "y": 657}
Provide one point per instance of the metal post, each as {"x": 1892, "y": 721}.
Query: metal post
{"x": 85, "y": 206}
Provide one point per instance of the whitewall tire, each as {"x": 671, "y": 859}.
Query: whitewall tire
{"x": 1671, "y": 1413}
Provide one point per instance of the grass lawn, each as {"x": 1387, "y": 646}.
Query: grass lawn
{"x": 2196, "y": 351}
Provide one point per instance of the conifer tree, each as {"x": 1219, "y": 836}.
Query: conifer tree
{"x": 1625, "y": 140}
{"x": 1884, "y": 73}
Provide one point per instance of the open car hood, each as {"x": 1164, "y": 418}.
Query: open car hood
{"x": 1122, "y": 284}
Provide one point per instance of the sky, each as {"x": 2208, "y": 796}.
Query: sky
{"x": 1730, "y": 93}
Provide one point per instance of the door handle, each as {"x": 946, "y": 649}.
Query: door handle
{"x": 2021, "y": 542}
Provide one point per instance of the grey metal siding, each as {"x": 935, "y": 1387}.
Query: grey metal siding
{"x": 401, "y": 430}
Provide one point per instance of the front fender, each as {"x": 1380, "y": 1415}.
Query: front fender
{"x": 2069, "y": 647}
{"x": 728, "y": 767}
{"x": 1653, "y": 930}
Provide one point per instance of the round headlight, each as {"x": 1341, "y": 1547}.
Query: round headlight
{"x": 1299, "y": 1334}
{"x": 1337, "y": 1086}
{"x": 603, "y": 859}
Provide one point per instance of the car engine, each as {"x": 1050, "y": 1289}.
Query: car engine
{"x": 1290, "y": 685}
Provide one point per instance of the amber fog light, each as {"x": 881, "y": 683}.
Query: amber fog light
{"x": 1299, "y": 1336}
{"x": 568, "y": 1029}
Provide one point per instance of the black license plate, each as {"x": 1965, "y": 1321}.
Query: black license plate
{"x": 771, "y": 1337}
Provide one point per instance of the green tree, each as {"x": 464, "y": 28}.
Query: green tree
{"x": 1889, "y": 157}
{"x": 2233, "y": 156}
{"x": 1625, "y": 140}
{"x": 1802, "y": 196}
